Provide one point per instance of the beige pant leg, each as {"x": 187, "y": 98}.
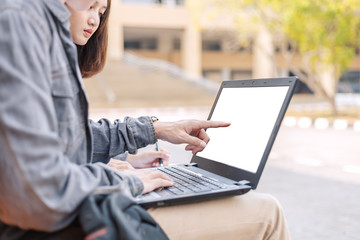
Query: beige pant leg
{"x": 251, "y": 216}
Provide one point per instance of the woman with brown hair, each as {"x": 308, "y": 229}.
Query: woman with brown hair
{"x": 257, "y": 216}
{"x": 90, "y": 34}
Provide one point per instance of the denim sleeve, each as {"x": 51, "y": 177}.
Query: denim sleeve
{"x": 121, "y": 156}
{"x": 111, "y": 139}
{"x": 40, "y": 187}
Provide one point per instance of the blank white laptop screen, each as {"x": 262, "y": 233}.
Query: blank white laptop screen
{"x": 252, "y": 112}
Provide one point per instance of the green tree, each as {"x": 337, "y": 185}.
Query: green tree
{"x": 325, "y": 33}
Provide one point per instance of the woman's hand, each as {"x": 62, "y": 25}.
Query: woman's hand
{"x": 191, "y": 132}
{"x": 152, "y": 179}
{"x": 120, "y": 165}
{"x": 148, "y": 159}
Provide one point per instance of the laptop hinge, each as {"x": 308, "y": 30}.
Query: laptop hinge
{"x": 242, "y": 182}
{"x": 191, "y": 164}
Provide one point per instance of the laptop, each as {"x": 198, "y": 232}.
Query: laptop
{"x": 235, "y": 156}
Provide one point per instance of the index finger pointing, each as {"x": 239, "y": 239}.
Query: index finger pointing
{"x": 214, "y": 124}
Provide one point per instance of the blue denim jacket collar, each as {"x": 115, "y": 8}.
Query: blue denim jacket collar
{"x": 58, "y": 9}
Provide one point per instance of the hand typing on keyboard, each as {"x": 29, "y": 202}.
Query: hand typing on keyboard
{"x": 152, "y": 179}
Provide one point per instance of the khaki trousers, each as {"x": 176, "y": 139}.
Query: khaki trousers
{"x": 251, "y": 216}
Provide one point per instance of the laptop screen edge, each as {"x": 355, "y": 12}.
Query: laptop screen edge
{"x": 238, "y": 174}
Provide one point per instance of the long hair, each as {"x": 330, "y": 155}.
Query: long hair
{"x": 92, "y": 55}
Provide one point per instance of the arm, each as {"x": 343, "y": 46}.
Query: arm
{"x": 191, "y": 132}
{"x": 111, "y": 139}
{"x": 40, "y": 187}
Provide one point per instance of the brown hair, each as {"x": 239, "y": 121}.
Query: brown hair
{"x": 92, "y": 55}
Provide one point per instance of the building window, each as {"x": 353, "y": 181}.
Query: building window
{"x": 349, "y": 82}
{"x": 213, "y": 74}
{"x": 171, "y": 2}
{"x": 241, "y": 74}
{"x": 132, "y": 45}
{"x": 145, "y": 44}
{"x": 211, "y": 45}
{"x": 177, "y": 44}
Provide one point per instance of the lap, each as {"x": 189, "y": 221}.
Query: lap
{"x": 249, "y": 216}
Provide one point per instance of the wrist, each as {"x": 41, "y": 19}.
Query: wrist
{"x": 154, "y": 121}
{"x": 157, "y": 127}
{"x": 161, "y": 129}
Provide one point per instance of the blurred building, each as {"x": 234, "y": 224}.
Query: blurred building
{"x": 164, "y": 29}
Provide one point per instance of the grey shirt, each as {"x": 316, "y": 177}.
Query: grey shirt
{"x": 51, "y": 155}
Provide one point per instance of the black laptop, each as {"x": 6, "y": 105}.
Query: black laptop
{"x": 234, "y": 158}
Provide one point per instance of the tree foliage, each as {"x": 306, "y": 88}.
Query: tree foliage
{"x": 326, "y": 33}
{"x": 330, "y": 28}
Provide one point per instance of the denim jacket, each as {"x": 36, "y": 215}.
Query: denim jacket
{"x": 51, "y": 155}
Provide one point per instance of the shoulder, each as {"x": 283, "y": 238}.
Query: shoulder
{"x": 22, "y": 15}
{"x": 23, "y": 7}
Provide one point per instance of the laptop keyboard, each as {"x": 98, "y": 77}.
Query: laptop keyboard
{"x": 186, "y": 181}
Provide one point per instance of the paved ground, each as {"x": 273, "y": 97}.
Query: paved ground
{"x": 316, "y": 208}
{"x": 315, "y": 174}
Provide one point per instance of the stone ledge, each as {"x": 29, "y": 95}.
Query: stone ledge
{"x": 321, "y": 123}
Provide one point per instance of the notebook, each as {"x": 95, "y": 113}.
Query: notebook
{"x": 234, "y": 158}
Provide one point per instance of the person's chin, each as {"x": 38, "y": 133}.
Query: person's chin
{"x": 81, "y": 42}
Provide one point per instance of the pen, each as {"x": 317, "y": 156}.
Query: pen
{"x": 158, "y": 149}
